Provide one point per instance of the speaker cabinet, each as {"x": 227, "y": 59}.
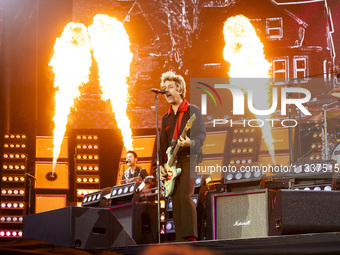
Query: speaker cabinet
{"x": 47, "y": 202}
{"x": 238, "y": 215}
{"x": 44, "y": 148}
{"x": 305, "y": 211}
{"x": 45, "y": 180}
{"x": 78, "y": 227}
{"x": 139, "y": 220}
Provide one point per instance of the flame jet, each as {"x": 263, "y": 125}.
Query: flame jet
{"x": 70, "y": 63}
{"x": 244, "y": 51}
{"x": 111, "y": 49}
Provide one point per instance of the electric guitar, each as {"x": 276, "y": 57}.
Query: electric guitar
{"x": 170, "y": 166}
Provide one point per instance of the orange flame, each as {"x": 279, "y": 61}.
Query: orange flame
{"x": 110, "y": 45}
{"x": 70, "y": 63}
{"x": 244, "y": 51}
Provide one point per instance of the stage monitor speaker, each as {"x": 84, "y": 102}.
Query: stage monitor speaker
{"x": 305, "y": 211}
{"x": 78, "y": 227}
{"x": 139, "y": 220}
{"x": 238, "y": 215}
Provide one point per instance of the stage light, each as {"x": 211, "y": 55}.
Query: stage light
{"x": 198, "y": 181}
{"x": 169, "y": 226}
{"x": 10, "y": 233}
{"x": 124, "y": 193}
{"x": 83, "y": 192}
{"x": 162, "y": 217}
{"x": 162, "y": 204}
{"x": 12, "y": 219}
{"x": 88, "y": 179}
{"x": 96, "y": 199}
{"x": 325, "y": 186}
{"x": 251, "y": 173}
{"x": 316, "y": 169}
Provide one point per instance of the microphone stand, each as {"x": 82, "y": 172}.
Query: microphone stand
{"x": 29, "y": 195}
{"x": 30, "y": 177}
{"x": 290, "y": 136}
{"x": 158, "y": 172}
{"x": 325, "y": 151}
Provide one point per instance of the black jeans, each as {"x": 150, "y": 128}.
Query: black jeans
{"x": 184, "y": 208}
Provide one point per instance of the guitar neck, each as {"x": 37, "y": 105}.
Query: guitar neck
{"x": 174, "y": 154}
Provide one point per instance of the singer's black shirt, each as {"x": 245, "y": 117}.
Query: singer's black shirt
{"x": 196, "y": 133}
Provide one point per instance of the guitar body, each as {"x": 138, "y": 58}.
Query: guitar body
{"x": 173, "y": 173}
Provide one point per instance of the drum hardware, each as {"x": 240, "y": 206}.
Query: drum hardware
{"x": 335, "y": 154}
{"x": 325, "y": 151}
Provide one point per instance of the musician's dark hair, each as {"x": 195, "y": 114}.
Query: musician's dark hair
{"x": 134, "y": 153}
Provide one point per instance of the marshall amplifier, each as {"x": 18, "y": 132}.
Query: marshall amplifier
{"x": 238, "y": 215}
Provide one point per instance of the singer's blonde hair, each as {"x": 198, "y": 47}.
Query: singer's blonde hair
{"x": 178, "y": 79}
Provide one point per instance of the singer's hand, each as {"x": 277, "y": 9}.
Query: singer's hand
{"x": 184, "y": 142}
{"x": 163, "y": 173}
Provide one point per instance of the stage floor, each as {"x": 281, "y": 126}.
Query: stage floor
{"x": 318, "y": 243}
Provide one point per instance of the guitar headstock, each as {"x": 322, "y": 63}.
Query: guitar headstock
{"x": 190, "y": 122}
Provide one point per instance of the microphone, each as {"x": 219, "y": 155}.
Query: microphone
{"x": 158, "y": 91}
{"x": 30, "y": 176}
